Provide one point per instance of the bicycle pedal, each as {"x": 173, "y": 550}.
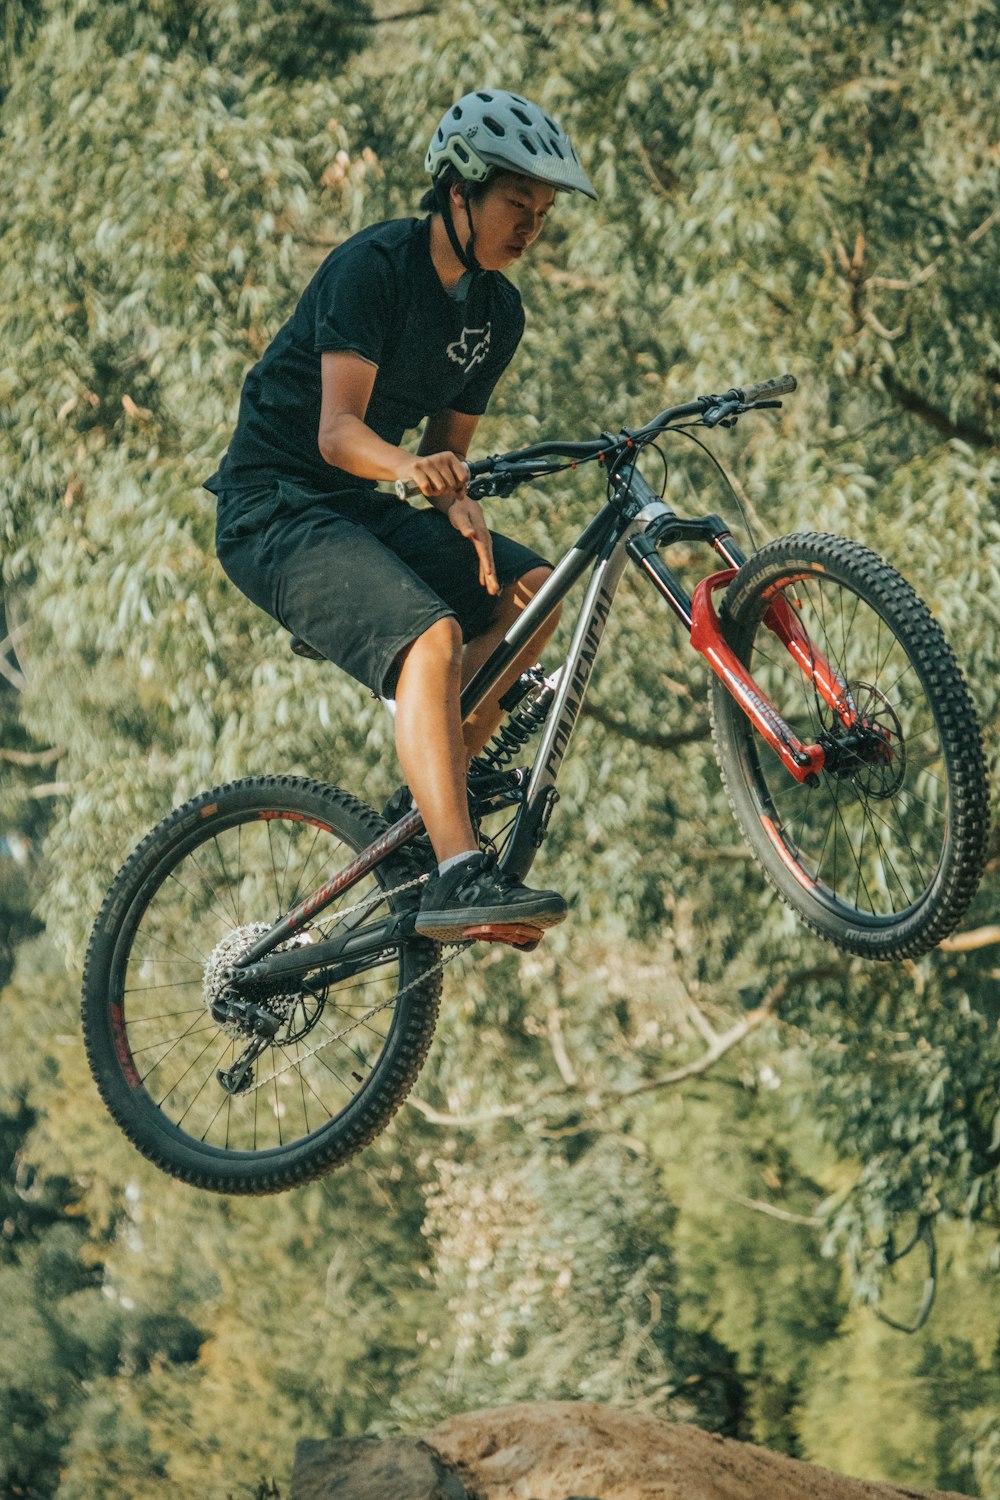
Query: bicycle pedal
{"x": 517, "y": 934}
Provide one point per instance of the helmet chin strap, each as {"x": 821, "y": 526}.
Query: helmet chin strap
{"x": 466, "y": 253}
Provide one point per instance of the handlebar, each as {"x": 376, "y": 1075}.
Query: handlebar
{"x": 514, "y": 468}
{"x": 780, "y": 385}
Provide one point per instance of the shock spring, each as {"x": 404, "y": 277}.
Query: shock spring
{"x": 520, "y": 725}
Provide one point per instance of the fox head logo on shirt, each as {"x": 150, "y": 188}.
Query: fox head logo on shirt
{"x": 471, "y": 349}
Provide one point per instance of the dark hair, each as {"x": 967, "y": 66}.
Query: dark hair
{"x": 471, "y": 191}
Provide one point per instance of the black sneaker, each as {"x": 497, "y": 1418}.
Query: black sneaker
{"x": 475, "y": 900}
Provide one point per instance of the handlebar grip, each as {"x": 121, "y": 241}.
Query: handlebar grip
{"x": 406, "y": 489}
{"x": 781, "y": 385}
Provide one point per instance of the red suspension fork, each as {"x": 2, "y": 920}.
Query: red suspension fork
{"x": 801, "y": 761}
{"x": 781, "y": 618}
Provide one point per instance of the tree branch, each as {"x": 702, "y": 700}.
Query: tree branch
{"x": 899, "y": 284}
{"x": 911, "y": 401}
{"x": 811, "y": 1221}
{"x": 30, "y": 757}
{"x": 558, "y": 1044}
{"x": 14, "y": 676}
{"x": 699, "y": 731}
{"x": 594, "y": 1098}
{"x": 399, "y": 15}
{"x": 485, "y": 1117}
{"x": 965, "y": 942}
{"x": 666, "y": 189}
{"x": 727, "y": 1040}
{"x": 702, "y": 1025}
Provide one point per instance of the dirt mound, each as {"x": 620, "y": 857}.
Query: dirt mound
{"x": 568, "y": 1450}
{"x": 560, "y": 1449}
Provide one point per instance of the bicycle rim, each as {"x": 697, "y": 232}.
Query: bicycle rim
{"x": 196, "y": 894}
{"x": 883, "y": 854}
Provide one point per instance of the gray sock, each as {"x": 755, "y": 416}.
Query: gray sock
{"x": 456, "y": 859}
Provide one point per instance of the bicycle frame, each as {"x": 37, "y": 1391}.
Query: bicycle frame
{"x": 631, "y": 527}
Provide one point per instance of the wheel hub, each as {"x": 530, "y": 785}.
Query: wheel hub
{"x": 872, "y": 752}
{"x": 242, "y": 1013}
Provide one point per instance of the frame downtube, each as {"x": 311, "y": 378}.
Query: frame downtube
{"x": 576, "y": 671}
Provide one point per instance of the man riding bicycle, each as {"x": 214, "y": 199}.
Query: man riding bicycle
{"x": 410, "y": 319}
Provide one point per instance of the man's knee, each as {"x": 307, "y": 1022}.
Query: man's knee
{"x": 440, "y": 642}
{"x": 529, "y": 583}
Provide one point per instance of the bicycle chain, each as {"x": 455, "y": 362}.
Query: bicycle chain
{"x": 425, "y": 974}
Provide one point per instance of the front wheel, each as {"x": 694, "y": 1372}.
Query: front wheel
{"x": 342, "y": 1051}
{"x": 884, "y": 853}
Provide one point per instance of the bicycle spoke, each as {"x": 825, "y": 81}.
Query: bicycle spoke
{"x": 235, "y": 883}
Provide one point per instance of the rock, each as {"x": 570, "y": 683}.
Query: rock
{"x": 398, "y": 1468}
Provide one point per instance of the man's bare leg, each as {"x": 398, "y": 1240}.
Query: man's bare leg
{"x": 429, "y": 736}
{"x": 434, "y": 747}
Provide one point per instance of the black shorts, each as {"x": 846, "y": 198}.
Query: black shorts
{"x": 358, "y": 575}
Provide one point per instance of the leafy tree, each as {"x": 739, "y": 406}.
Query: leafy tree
{"x": 810, "y": 189}
{"x": 62, "y": 1335}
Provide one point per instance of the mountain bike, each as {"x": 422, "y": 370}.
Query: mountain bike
{"x": 256, "y": 1002}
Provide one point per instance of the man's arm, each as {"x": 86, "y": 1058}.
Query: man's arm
{"x": 346, "y": 441}
{"x": 448, "y": 432}
{"x": 453, "y": 432}
{"x": 437, "y": 470}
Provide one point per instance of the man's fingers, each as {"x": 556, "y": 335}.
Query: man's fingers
{"x": 440, "y": 474}
{"x": 467, "y": 518}
{"x": 487, "y": 567}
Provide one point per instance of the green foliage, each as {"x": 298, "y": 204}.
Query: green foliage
{"x": 555, "y": 1275}
{"x": 578, "y": 1204}
{"x": 65, "y": 1333}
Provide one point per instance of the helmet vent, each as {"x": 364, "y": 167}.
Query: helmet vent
{"x": 528, "y": 144}
{"x": 555, "y": 146}
{"x": 456, "y": 113}
{"x": 521, "y": 115}
{"x": 493, "y": 125}
{"x": 486, "y": 98}
{"x": 460, "y": 151}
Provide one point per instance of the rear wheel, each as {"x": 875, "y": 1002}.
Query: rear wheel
{"x": 884, "y": 854}
{"x": 189, "y": 1081}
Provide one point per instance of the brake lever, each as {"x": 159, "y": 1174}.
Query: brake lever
{"x": 726, "y": 413}
{"x": 723, "y": 414}
{"x": 496, "y": 484}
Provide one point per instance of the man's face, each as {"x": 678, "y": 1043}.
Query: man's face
{"x": 507, "y": 219}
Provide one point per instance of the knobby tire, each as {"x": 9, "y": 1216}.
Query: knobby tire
{"x": 884, "y": 855}
{"x": 200, "y": 886}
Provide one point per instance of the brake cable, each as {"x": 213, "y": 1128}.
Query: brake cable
{"x": 684, "y": 430}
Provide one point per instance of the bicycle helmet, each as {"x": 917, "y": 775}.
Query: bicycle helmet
{"x": 492, "y": 129}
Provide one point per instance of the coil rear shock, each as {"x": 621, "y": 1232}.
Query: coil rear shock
{"x": 512, "y": 736}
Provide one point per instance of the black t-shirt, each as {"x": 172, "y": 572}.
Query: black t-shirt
{"x": 377, "y": 295}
